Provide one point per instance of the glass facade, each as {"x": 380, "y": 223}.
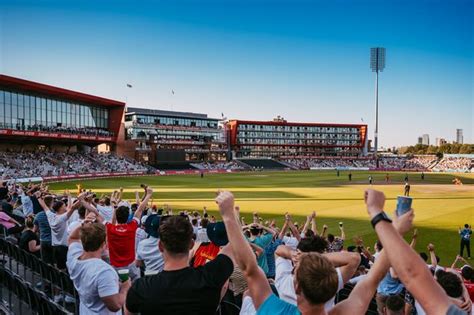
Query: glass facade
{"x": 258, "y": 140}
{"x": 25, "y": 111}
{"x": 172, "y": 121}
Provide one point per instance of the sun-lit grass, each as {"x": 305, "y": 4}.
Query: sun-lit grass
{"x": 440, "y": 206}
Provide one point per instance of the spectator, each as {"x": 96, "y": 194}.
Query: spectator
{"x": 466, "y": 240}
{"x": 29, "y": 241}
{"x": 57, "y": 219}
{"x": 180, "y": 289}
{"x": 148, "y": 254}
{"x": 96, "y": 281}
{"x": 42, "y": 225}
{"x": 336, "y": 243}
{"x": 121, "y": 237}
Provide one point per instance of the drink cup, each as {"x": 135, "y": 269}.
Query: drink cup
{"x": 403, "y": 204}
{"x": 123, "y": 274}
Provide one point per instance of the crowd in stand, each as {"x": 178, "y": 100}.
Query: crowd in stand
{"x": 386, "y": 162}
{"x": 452, "y": 163}
{"x": 27, "y": 164}
{"x": 232, "y": 165}
{"x": 135, "y": 257}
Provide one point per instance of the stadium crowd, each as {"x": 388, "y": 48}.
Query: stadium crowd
{"x": 232, "y": 165}
{"x": 454, "y": 163}
{"x": 87, "y": 131}
{"x": 32, "y": 164}
{"x": 135, "y": 257}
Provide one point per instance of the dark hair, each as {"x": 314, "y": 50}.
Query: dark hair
{"x": 122, "y": 214}
{"x": 395, "y": 304}
{"x": 424, "y": 256}
{"x": 176, "y": 234}
{"x": 466, "y": 225}
{"x": 107, "y": 201}
{"x": 315, "y": 243}
{"x": 467, "y": 273}
{"x": 92, "y": 236}
{"x": 309, "y": 233}
{"x": 48, "y": 200}
{"x": 82, "y": 212}
{"x": 451, "y": 283}
{"x": 204, "y": 223}
{"x": 379, "y": 245}
{"x": 29, "y": 222}
{"x": 255, "y": 231}
{"x": 194, "y": 221}
{"x": 58, "y": 205}
{"x": 330, "y": 238}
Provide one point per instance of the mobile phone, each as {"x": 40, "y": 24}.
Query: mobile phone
{"x": 403, "y": 204}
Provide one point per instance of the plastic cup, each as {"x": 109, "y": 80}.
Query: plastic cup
{"x": 123, "y": 274}
{"x": 403, "y": 204}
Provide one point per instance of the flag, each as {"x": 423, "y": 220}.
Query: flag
{"x": 222, "y": 114}
{"x": 172, "y": 92}
{"x": 129, "y": 85}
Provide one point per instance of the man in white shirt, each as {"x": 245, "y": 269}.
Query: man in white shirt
{"x": 96, "y": 281}
{"x": 57, "y": 220}
{"x": 346, "y": 264}
{"x": 107, "y": 210}
{"x": 148, "y": 253}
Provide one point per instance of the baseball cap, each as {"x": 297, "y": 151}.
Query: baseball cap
{"x": 152, "y": 224}
{"x": 217, "y": 233}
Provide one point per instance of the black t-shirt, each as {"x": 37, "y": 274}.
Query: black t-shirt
{"x": 185, "y": 291}
{"x": 26, "y": 237}
{"x": 3, "y": 193}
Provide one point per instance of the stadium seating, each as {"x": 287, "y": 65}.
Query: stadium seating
{"x": 263, "y": 164}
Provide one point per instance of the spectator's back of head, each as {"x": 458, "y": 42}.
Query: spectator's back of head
{"x": 315, "y": 243}
{"x": 107, "y": 201}
{"x": 82, "y": 212}
{"x": 48, "y": 200}
{"x": 92, "y": 236}
{"x": 451, "y": 283}
{"x": 122, "y": 213}
{"x": 204, "y": 223}
{"x": 394, "y": 305}
{"x": 176, "y": 235}
{"x": 330, "y": 238}
{"x": 316, "y": 278}
{"x": 466, "y": 225}
{"x": 424, "y": 256}
{"x": 467, "y": 273}
{"x": 29, "y": 222}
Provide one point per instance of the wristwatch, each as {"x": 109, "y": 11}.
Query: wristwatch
{"x": 382, "y": 216}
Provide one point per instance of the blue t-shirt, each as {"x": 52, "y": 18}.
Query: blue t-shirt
{"x": 389, "y": 285}
{"x": 466, "y": 234}
{"x": 275, "y": 306}
{"x": 41, "y": 221}
{"x": 270, "y": 253}
{"x": 263, "y": 241}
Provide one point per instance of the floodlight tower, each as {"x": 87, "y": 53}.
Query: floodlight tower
{"x": 377, "y": 63}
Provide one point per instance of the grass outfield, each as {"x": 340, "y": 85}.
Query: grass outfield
{"x": 440, "y": 207}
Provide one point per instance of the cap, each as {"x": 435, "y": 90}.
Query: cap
{"x": 217, "y": 233}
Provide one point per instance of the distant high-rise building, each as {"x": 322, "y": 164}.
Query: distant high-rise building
{"x": 426, "y": 139}
{"x": 459, "y": 136}
{"x": 420, "y": 140}
{"x": 440, "y": 141}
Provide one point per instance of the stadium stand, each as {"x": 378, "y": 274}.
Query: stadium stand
{"x": 257, "y": 164}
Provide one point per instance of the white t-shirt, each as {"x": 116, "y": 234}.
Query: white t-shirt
{"x": 93, "y": 279}
{"x": 290, "y": 241}
{"x": 58, "y": 224}
{"x": 73, "y": 225}
{"x": 140, "y": 235}
{"x": 285, "y": 286}
{"x": 247, "y": 306}
{"x": 201, "y": 235}
{"x": 148, "y": 251}
{"x": 107, "y": 212}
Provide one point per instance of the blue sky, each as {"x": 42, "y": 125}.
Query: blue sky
{"x": 304, "y": 60}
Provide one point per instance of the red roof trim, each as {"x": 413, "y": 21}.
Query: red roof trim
{"x": 40, "y": 88}
{"x": 278, "y": 123}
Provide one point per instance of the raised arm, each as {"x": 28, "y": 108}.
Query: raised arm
{"x": 144, "y": 203}
{"x": 411, "y": 269}
{"x": 431, "y": 250}
{"x": 257, "y": 282}
{"x": 284, "y": 228}
{"x": 343, "y": 234}
{"x": 313, "y": 223}
{"x": 346, "y": 261}
{"x": 413, "y": 238}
